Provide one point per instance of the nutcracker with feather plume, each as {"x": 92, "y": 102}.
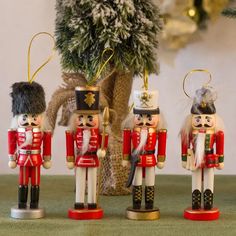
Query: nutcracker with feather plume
{"x": 86, "y": 144}
{"x": 143, "y": 130}
{"x": 29, "y": 142}
{"x": 202, "y": 138}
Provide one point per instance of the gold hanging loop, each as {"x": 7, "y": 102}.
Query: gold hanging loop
{"x": 102, "y": 66}
{"x": 145, "y": 79}
{"x": 32, "y": 78}
{"x": 194, "y": 71}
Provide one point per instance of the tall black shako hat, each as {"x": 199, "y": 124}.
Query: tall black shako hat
{"x": 27, "y": 98}
{"x": 203, "y": 102}
{"x": 87, "y": 100}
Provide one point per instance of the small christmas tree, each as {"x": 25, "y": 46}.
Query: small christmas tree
{"x": 84, "y": 28}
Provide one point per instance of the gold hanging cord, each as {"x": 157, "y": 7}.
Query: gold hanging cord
{"x": 102, "y": 66}
{"x": 194, "y": 71}
{"x": 32, "y": 78}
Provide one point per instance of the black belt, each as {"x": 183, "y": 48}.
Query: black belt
{"x": 90, "y": 153}
{"x": 147, "y": 152}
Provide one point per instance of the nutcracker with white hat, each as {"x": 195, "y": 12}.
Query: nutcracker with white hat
{"x": 142, "y": 131}
{"x": 202, "y": 138}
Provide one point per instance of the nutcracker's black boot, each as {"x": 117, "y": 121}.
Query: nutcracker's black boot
{"x": 196, "y": 199}
{"x": 79, "y": 205}
{"x": 34, "y": 197}
{"x": 137, "y": 196}
{"x": 208, "y": 199}
{"x": 149, "y": 197}
{"x": 22, "y": 196}
{"x": 92, "y": 206}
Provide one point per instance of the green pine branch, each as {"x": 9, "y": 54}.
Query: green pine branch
{"x": 229, "y": 12}
{"x": 84, "y": 28}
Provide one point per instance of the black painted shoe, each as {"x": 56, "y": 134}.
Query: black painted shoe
{"x": 34, "y": 202}
{"x": 137, "y": 196}
{"x": 92, "y": 206}
{"x": 196, "y": 199}
{"x": 149, "y": 197}
{"x": 22, "y": 196}
{"x": 208, "y": 199}
{"x": 79, "y": 205}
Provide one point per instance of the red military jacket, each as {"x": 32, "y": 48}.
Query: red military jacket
{"x": 89, "y": 159}
{"x": 147, "y": 155}
{"x": 212, "y": 158}
{"x": 29, "y": 155}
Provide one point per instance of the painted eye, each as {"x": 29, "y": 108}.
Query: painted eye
{"x": 139, "y": 117}
{"x": 24, "y": 117}
{"x": 197, "y": 120}
{"x": 149, "y": 118}
{"x": 80, "y": 118}
{"x": 90, "y": 118}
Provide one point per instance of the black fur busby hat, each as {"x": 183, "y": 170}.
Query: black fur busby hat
{"x": 27, "y": 98}
{"x": 203, "y": 102}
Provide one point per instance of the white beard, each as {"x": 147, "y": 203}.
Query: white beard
{"x": 143, "y": 140}
{"x": 86, "y": 140}
{"x": 28, "y": 138}
{"x": 199, "y": 149}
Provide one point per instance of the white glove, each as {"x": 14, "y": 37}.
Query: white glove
{"x": 160, "y": 164}
{"x": 125, "y": 163}
{"x": 70, "y": 164}
{"x": 12, "y": 164}
{"x": 47, "y": 164}
{"x": 221, "y": 166}
{"x": 101, "y": 153}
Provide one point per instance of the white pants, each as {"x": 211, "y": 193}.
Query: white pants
{"x": 149, "y": 176}
{"x": 202, "y": 184}
{"x": 80, "y": 175}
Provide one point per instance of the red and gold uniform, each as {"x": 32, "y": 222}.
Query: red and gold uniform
{"x": 212, "y": 157}
{"x": 29, "y": 157}
{"x": 147, "y": 156}
{"x": 89, "y": 159}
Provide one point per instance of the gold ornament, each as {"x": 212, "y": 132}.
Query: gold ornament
{"x": 89, "y": 100}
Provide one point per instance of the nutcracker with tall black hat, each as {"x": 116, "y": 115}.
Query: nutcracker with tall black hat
{"x": 29, "y": 144}
{"x": 142, "y": 131}
{"x": 86, "y": 144}
{"x": 202, "y": 138}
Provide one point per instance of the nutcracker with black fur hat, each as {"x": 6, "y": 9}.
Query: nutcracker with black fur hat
{"x": 26, "y": 138}
{"x": 142, "y": 131}
{"x": 202, "y": 137}
{"x": 91, "y": 143}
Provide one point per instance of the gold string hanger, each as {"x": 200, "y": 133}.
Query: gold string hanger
{"x": 145, "y": 85}
{"x": 102, "y": 66}
{"x": 145, "y": 79}
{"x": 32, "y": 78}
{"x": 195, "y": 71}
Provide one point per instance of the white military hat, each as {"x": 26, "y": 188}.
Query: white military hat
{"x": 146, "y": 102}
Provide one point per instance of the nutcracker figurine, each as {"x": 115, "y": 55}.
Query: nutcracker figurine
{"x": 142, "y": 131}
{"x": 201, "y": 131}
{"x": 85, "y": 146}
{"x": 25, "y": 140}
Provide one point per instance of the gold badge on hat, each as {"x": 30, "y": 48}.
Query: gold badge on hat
{"x": 89, "y": 100}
